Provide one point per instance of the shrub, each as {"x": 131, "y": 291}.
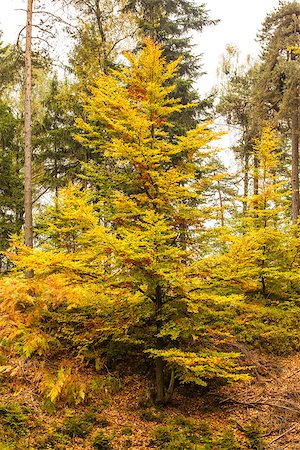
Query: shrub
{"x": 14, "y": 417}
{"x": 79, "y": 426}
{"x": 127, "y": 431}
{"x": 152, "y": 415}
{"x": 101, "y": 441}
{"x": 253, "y": 433}
{"x": 102, "y": 422}
{"x": 169, "y": 438}
{"x": 227, "y": 442}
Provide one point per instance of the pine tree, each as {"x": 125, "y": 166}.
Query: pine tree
{"x": 237, "y": 105}
{"x": 277, "y": 87}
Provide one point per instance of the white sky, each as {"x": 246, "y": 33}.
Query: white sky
{"x": 240, "y": 21}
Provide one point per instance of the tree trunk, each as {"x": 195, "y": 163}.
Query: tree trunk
{"x": 295, "y": 167}
{"x": 222, "y": 219}
{"x": 246, "y": 180}
{"x": 160, "y": 381}
{"x": 159, "y": 363}
{"x": 99, "y": 19}
{"x": 255, "y": 178}
{"x": 28, "y": 238}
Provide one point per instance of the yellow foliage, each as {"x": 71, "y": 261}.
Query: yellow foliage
{"x": 64, "y": 385}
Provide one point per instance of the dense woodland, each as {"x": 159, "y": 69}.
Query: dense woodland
{"x": 149, "y": 293}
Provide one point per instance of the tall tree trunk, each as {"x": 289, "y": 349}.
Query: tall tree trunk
{"x": 255, "y": 178}
{"x": 160, "y": 381}
{"x": 28, "y": 239}
{"x": 159, "y": 363}
{"x": 99, "y": 19}
{"x": 246, "y": 180}
{"x": 222, "y": 219}
{"x": 295, "y": 167}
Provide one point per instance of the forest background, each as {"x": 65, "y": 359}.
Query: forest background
{"x": 137, "y": 254}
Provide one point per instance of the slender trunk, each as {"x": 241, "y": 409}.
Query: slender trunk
{"x": 56, "y": 180}
{"x": 263, "y": 279}
{"x": 246, "y": 181}
{"x": 295, "y": 167}
{"x": 160, "y": 381}
{"x": 221, "y": 205}
{"x": 255, "y": 183}
{"x": 27, "y": 128}
{"x": 55, "y": 173}
{"x": 170, "y": 390}
{"x": 28, "y": 238}
{"x": 255, "y": 178}
{"x": 159, "y": 363}
{"x": 99, "y": 18}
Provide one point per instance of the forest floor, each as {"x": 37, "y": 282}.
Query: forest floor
{"x": 261, "y": 414}
{"x": 270, "y": 402}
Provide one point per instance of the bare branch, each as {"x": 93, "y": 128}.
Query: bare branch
{"x": 44, "y": 31}
{"x": 48, "y": 13}
{"x": 19, "y": 35}
{"x": 283, "y": 434}
{"x": 120, "y": 40}
{"x": 40, "y": 195}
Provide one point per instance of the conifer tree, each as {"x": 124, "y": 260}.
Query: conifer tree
{"x": 11, "y": 184}
{"x": 277, "y": 87}
{"x": 102, "y": 28}
{"x": 171, "y": 23}
{"x": 236, "y": 105}
{"x": 57, "y": 154}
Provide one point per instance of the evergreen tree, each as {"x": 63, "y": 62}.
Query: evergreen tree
{"x": 170, "y": 23}
{"x": 11, "y": 64}
{"x": 11, "y": 184}
{"x": 277, "y": 87}
{"x": 237, "y": 105}
{"x": 57, "y": 154}
{"x": 102, "y": 29}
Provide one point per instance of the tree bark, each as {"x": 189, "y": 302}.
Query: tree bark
{"x": 246, "y": 180}
{"x": 102, "y": 35}
{"x": 160, "y": 381}
{"x": 222, "y": 219}
{"x": 28, "y": 232}
{"x": 295, "y": 167}
{"x": 159, "y": 363}
{"x": 255, "y": 178}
